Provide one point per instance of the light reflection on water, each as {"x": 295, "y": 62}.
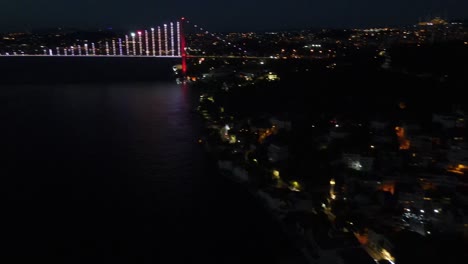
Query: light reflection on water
{"x": 112, "y": 172}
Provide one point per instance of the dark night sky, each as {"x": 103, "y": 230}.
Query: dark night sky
{"x": 223, "y": 15}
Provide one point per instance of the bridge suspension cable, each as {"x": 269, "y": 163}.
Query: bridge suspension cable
{"x": 201, "y": 30}
{"x": 161, "y": 41}
{"x": 164, "y": 40}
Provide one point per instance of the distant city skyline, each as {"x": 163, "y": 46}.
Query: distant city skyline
{"x": 241, "y": 15}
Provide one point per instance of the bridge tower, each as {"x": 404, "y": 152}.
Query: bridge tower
{"x": 183, "y": 51}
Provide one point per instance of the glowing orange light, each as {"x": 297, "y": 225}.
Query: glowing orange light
{"x": 362, "y": 238}
{"x": 459, "y": 169}
{"x": 388, "y": 187}
{"x": 404, "y": 142}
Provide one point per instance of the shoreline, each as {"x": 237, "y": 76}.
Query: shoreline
{"x": 243, "y": 182}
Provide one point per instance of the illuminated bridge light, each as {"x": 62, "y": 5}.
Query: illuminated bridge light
{"x": 159, "y": 41}
{"x": 147, "y": 50}
{"x": 127, "y": 45}
{"x": 134, "y": 43}
{"x": 170, "y": 42}
{"x": 120, "y": 46}
{"x": 166, "y": 45}
{"x": 172, "y": 39}
{"x": 178, "y": 38}
{"x": 113, "y": 47}
{"x": 153, "y": 42}
{"x": 140, "y": 43}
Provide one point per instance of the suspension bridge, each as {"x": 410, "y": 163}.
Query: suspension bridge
{"x": 165, "y": 41}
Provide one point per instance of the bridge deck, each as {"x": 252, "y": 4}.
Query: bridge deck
{"x": 95, "y": 56}
{"x": 140, "y": 56}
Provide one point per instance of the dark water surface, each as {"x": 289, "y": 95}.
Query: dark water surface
{"x": 101, "y": 172}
